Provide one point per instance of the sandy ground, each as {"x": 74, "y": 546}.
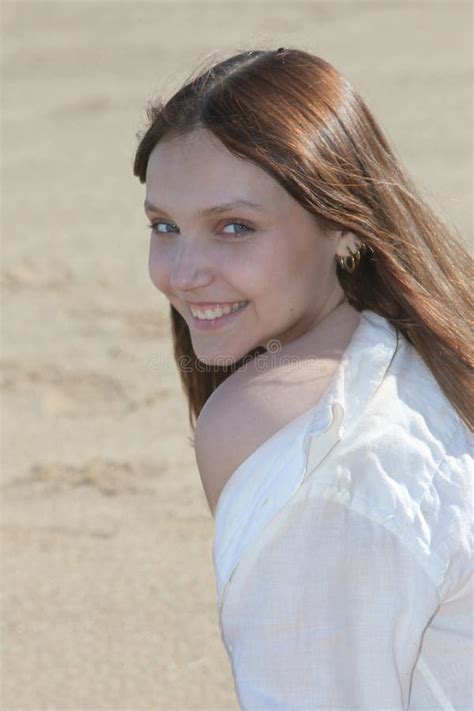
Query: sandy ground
{"x": 108, "y": 589}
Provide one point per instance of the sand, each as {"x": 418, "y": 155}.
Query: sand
{"x": 108, "y": 589}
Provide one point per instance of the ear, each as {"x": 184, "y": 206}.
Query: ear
{"x": 347, "y": 241}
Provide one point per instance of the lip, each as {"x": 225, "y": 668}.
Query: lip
{"x": 218, "y": 322}
{"x": 213, "y": 304}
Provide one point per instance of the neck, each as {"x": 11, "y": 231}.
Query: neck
{"x": 329, "y": 337}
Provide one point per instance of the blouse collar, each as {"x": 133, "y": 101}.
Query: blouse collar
{"x": 360, "y": 372}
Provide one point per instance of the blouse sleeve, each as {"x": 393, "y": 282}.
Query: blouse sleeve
{"x": 332, "y": 611}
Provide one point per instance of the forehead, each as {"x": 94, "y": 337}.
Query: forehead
{"x": 199, "y": 166}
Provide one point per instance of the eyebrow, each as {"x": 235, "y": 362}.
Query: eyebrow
{"x": 216, "y": 209}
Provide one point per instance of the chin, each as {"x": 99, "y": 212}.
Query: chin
{"x": 221, "y": 358}
{"x": 215, "y": 360}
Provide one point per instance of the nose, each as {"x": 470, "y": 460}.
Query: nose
{"x": 189, "y": 268}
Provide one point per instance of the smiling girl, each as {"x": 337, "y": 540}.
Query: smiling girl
{"x": 325, "y": 311}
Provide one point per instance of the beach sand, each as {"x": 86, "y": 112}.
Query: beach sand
{"x": 108, "y": 591}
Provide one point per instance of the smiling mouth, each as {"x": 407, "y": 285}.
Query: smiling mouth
{"x": 211, "y": 314}
{"x": 212, "y": 322}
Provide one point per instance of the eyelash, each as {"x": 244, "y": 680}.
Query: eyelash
{"x": 152, "y": 227}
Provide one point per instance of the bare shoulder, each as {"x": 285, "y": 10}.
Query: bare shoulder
{"x": 248, "y": 408}
{"x": 220, "y": 429}
{"x": 263, "y": 396}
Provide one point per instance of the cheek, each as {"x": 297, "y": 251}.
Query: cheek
{"x": 309, "y": 259}
{"x": 284, "y": 264}
{"x": 159, "y": 267}
{"x": 298, "y": 273}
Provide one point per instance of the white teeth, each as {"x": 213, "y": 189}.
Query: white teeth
{"x": 209, "y": 314}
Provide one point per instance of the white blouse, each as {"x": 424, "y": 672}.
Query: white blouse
{"x": 343, "y": 545}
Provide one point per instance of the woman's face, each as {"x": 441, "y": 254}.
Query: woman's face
{"x": 208, "y": 247}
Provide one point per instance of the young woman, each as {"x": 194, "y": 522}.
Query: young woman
{"x": 320, "y": 314}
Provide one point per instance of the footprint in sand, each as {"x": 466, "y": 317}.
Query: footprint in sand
{"x": 44, "y": 537}
{"x": 27, "y": 274}
{"x": 60, "y": 392}
{"x": 148, "y": 324}
{"x": 109, "y": 477}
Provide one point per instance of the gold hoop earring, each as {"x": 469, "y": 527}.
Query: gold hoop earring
{"x": 350, "y": 263}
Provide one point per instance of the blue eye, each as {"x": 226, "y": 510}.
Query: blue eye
{"x": 238, "y": 224}
{"x": 154, "y": 227}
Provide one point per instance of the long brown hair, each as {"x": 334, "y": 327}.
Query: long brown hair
{"x": 298, "y": 118}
